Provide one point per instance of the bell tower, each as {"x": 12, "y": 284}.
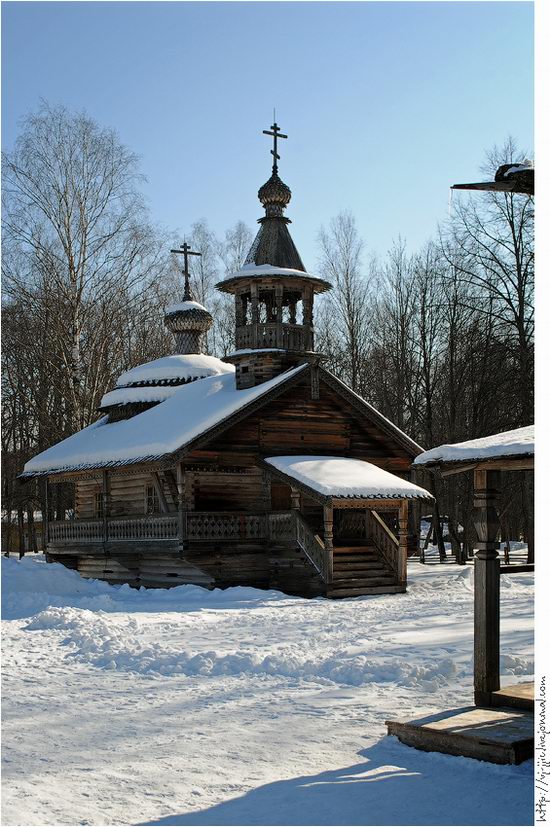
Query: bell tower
{"x": 273, "y": 292}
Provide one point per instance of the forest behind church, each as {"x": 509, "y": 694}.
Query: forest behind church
{"x": 439, "y": 340}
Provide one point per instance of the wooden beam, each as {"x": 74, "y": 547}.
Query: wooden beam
{"x": 403, "y": 524}
{"x": 160, "y": 493}
{"x": 328, "y": 520}
{"x": 502, "y": 464}
{"x": 486, "y": 587}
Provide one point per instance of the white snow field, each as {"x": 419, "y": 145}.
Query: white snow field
{"x": 246, "y": 707}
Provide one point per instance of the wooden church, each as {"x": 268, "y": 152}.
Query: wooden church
{"x": 262, "y": 469}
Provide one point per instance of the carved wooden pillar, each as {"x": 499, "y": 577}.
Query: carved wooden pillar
{"x": 328, "y": 519}
{"x": 254, "y": 312}
{"x": 292, "y": 311}
{"x": 182, "y": 523}
{"x": 486, "y": 587}
{"x": 240, "y": 310}
{"x": 279, "y": 313}
{"x": 403, "y": 524}
{"x": 294, "y": 498}
{"x": 307, "y": 305}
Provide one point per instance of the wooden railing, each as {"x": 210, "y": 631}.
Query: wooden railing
{"x": 163, "y": 527}
{"x": 314, "y": 548}
{"x": 75, "y": 531}
{"x": 154, "y": 527}
{"x": 385, "y": 541}
{"x": 274, "y": 334}
{"x": 225, "y": 525}
{"x": 281, "y": 525}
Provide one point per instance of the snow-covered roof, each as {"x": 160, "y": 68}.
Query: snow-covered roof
{"x": 191, "y": 411}
{"x": 185, "y": 366}
{"x": 520, "y": 442}
{"x": 259, "y": 270}
{"x": 128, "y": 396}
{"x": 345, "y": 477}
{"x": 181, "y": 307}
{"x": 527, "y": 164}
{"x": 245, "y": 351}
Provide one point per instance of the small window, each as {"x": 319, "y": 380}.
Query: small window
{"x": 98, "y": 504}
{"x": 152, "y": 503}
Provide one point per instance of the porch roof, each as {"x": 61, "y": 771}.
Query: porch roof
{"x": 509, "y": 449}
{"x": 344, "y": 478}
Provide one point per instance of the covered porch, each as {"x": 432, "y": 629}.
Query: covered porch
{"x": 351, "y": 521}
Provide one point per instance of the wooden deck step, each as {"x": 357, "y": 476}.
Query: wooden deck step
{"x": 502, "y": 736}
{"x": 361, "y": 574}
{"x": 359, "y": 562}
{"x": 355, "y": 549}
{"x": 339, "y": 592}
{"x": 353, "y": 582}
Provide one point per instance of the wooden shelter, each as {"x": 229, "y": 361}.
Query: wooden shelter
{"x": 173, "y": 485}
{"x": 486, "y": 458}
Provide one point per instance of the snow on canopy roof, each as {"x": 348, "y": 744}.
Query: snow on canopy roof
{"x": 185, "y": 366}
{"x": 193, "y": 409}
{"x": 181, "y": 307}
{"x": 345, "y": 477}
{"x": 270, "y": 270}
{"x": 519, "y": 442}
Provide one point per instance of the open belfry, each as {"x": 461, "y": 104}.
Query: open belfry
{"x": 261, "y": 469}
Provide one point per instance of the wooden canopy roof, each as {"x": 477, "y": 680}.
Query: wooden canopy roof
{"x": 510, "y": 450}
{"x": 343, "y": 482}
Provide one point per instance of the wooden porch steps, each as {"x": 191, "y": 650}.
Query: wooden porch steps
{"x": 359, "y": 568}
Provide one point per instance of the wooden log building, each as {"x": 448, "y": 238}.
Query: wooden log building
{"x": 263, "y": 469}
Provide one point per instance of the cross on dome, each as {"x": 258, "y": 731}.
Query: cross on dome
{"x": 276, "y": 133}
{"x": 186, "y": 251}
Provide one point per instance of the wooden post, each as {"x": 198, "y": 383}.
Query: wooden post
{"x": 486, "y": 587}
{"x": 45, "y": 516}
{"x": 307, "y": 320}
{"x": 240, "y": 313}
{"x": 438, "y": 532}
{"x": 180, "y": 482}
{"x": 403, "y": 524}
{"x": 328, "y": 519}
{"x": 105, "y": 504}
{"x": 279, "y": 313}
{"x": 294, "y": 498}
{"x": 254, "y": 312}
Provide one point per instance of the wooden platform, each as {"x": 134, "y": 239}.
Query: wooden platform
{"x": 519, "y": 696}
{"x": 501, "y": 736}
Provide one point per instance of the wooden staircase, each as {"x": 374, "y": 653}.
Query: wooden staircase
{"x": 359, "y": 568}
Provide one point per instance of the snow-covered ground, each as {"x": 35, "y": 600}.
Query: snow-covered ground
{"x": 245, "y": 707}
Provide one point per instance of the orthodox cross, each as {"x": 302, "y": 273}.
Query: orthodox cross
{"x": 186, "y": 251}
{"x": 276, "y": 133}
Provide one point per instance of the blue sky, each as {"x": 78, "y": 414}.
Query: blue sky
{"x": 385, "y": 104}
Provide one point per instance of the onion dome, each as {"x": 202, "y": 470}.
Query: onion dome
{"x": 274, "y": 196}
{"x": 188, "y": 321}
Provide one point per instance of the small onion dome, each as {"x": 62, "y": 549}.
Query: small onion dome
{"x": 188, "y": 315}
{"x": 274, "y": 195}
{"x": 149, "y": 384}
